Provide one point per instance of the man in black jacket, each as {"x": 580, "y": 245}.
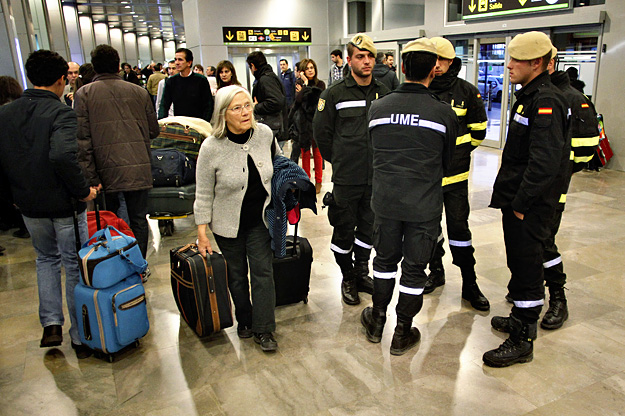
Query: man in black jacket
{"x": 527, "y": 189}
{"x": 413, "y": 134}
{"x": 269, "y": 96}
{"x": 38, "y": 157}
{"x": 383, "y": 73}
{"x": 189, "y": 92}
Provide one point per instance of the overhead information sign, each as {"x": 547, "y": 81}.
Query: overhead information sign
{"x": 478, "y": 9}
{"x": 267, "y": 35}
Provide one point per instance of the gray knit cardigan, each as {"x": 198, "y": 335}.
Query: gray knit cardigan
{"x": 221, "y": 178}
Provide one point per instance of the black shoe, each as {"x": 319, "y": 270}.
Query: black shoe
{"x": 266, "y": 341}
{"x": 404, "y": 338}
{"x": 52, "y": 336}
{"x": 244, "y": 331}
{"x": 2, "y": 250}
{"x": 518, "y": 348}
{"x": 509, "y": 298}
{"x": 21, "y": 233}
{"x": 364, "y": 283}
{"x": 436, "y": 278}
{"x": 471, "y": 292}
{"x": 146, "y": 275}
{"x": 373, "y": 320}
{"x": 82, "y": 351}
{"x": 349, "y": 291}
{"x": 501, "y": 323}
{"x": 558, "y": 311}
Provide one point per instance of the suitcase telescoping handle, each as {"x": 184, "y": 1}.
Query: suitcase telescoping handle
{"x": 294, "y": 252}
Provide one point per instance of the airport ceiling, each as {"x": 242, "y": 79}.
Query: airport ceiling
{"x": 155, "y": 18}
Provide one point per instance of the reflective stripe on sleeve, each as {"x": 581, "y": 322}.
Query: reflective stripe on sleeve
{"x": 410, "y": 290}
{"x": 478, "y": 126}
{"x": 456, "y": 178}
{"x": 457, "y": 243}
{"x": 582, "y": 159}
{"x": 362, "y": 244}
{"x": 584, "y": 141}
{"x": 351, "y": 104}
{"x": 384, "y": 275}
{"x": 339, "y": 250}
{"x": 521, "y": 120}
{"x": 460, "y": 112}
{"x": 562, "y": 199}
{"x": 463, "y": 139}
{"x": 552, "y": 263}
{"x": 524, "y": 304}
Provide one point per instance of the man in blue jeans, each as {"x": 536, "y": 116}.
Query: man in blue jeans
{"x": 38, "y": 159}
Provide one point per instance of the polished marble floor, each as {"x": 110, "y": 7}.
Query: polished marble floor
{"x": 324, "y": 365}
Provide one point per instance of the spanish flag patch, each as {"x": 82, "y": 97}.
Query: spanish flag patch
{"x": 585, "y": 105}
{"x": 479, "y": 96}
{"x": 545, "y": 111}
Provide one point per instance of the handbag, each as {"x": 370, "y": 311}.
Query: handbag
{"x": 107, "y": 259}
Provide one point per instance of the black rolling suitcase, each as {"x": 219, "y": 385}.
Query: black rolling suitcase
{"x": 200, "y": 288}
{"x": 291, "y": 274}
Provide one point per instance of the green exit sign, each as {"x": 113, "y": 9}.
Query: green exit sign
{"x": 480, "y": 9}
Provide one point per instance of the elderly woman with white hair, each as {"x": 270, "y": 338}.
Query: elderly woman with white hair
{"x": 234, "y": 171}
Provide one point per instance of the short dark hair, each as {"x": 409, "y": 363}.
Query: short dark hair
{"x": 297, "y": 65}
{"x": 379, "y": 58}
{"x": 546, "y": 60}
{"x": 86, "y": 73}
{"x": 389, "y": 54}
{"x": 105, "y": 59}
{"x": 257, "y": 58}
{"x": 199, "y": 66}
{"x": 418, "y": 65}
{"x": 188, "y": 55}
{"x": 44, "y": 68}
{"x": 287, "y": 62}
{"x": 212, "y": 68}
{"x": 158, "y": 66}
{"x": 10, "y": 89}
{"x": 337, "y": 52}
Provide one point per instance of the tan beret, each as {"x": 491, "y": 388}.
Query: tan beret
{"x": 364, "y": 43}
{"x": 530, "y": 45}
{"x": 420, "y": 45}
{"x": 554, "y": 52}
{"x": 444, "y": 48}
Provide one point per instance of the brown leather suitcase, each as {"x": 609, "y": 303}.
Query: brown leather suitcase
{"x": 200, "y": 288}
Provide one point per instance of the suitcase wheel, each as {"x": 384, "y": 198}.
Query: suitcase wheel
{"x": 166, "y": 227}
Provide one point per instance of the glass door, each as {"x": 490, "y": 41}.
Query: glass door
{"x": 491, "y": 73}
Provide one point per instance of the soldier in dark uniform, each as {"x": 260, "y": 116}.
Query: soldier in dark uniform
{"x": 413, "y": 135}
{"x": 340, "y": 130}
{"x": 467, "y": 103}
{"x": 533, "y": 169}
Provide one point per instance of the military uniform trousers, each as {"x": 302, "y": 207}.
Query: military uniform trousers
{"x": 352, "y": 219}
{"x": 456, "y": 202}
{"x": 525, "y": 240}
{"x": 414, "y": 242}
{"x": 552, "y": 260}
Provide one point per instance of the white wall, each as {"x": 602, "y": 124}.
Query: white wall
{"x": 117, "y": 42}
{"x": 145, "y": 56}
{"x": 203, "y": 21}
{"x": 157, "y": 50}
{"x": 86, "y": 34}
{"x": 101, "y": 33}
{"x": 130, "y": 44}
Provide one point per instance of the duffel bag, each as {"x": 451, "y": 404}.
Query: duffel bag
{"x": 171, "y": 167}
{"x": 106, "y": 259}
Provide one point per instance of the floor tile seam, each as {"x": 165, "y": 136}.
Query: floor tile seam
{"x": 585, "y": 324}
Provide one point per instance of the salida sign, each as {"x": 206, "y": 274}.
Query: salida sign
{"x": 273, "y": 35}
{"x": 478, "y": 9}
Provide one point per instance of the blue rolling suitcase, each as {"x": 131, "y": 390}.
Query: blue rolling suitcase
{"x": 112, "y": 318}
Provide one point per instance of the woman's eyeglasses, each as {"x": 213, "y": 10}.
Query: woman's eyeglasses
{"x": 239, "y": 108}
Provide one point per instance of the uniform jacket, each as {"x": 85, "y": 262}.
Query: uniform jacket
{"x": 466, "y": 101}
{"x": 584, "y": 127}
{"x": 340, "y": 129}
{"x": 221, "y": 179}
{"x": 536, "y": 156}
{"x": 116, "y": 122}
{"x": 387, "y": 77}
{"x": 269, "y": 92}
{"x": 38, "y": 155}
{"x": 413, "y": 135}
{"x": 288, "y": 81}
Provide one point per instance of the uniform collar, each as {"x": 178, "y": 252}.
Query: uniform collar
{"x": 412, "y": 87}
{"x": 534, "y": 84}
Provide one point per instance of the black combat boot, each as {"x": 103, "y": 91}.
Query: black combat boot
{"x": 518, "y": 348}
{"x": 471, "y": 291}
{"x": 349, "y": 288}
{"x": 404, "y": 338}
{"x": 436, "y": 277}
{"x": 363, "y": 281}
{"x": 373, "y": 319}
{"x": 558, "y": 312}
{"x": 501, "y": 323}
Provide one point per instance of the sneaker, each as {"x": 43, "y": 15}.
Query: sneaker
{"x": 82, "y": 351}
{"x": 244, "y": 331}
{"x": 266, "y": 341}
{"x": 145, "y": 275}
{"x": 52, "y": 336}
